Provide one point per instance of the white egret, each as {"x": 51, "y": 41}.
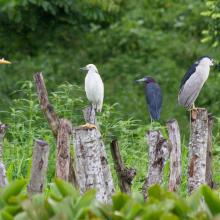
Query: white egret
{"x": 94, "y": 88}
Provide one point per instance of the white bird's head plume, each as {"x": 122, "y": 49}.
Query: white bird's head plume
{"x": 90, "y": 67}
{"x": 207, "y": 61}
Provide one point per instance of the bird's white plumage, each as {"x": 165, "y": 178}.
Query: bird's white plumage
{"x": 191, "y": 89}
{"x": 94, "y": 87}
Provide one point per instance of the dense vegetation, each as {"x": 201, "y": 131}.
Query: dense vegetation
{"x": 63, "y": 202}
{"x": 126, "y": 39}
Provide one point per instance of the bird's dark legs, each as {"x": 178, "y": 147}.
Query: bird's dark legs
{"x": 151, "y": 122}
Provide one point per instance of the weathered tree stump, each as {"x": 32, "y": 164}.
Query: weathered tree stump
{"x": 51, "y": 116}
{"x": 63, "y": 149}
{"x": 39, "y": 167}
{"x": 46, "y": 107}
{"x": 3, "y": 177}
{"x": 92, "y": 169}
{"x": 125, "y": 174}
{"x": 175, "y": 155}
{"x": 198, "y": 147}
{"x": 90, "y": 117}
{"x": 158, "y": 153}
{"x": 89, "y": 172}
{"x": 209, "y": 179}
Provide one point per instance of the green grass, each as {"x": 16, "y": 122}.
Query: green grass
{"x": 27, "y": 123}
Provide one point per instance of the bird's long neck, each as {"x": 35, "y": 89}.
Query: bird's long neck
{"x": 92, "y": 72}
{"x": 204, "y": 68}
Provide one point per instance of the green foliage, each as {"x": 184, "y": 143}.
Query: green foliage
{"x": 64, "y": 202}
{"x": 212, "y": 13}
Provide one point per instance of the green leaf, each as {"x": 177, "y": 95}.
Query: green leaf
{"x": 119, "y": 200}
{"x": 211, "y": 199}
{"x": 65, "y": 188}
{"x": 13, "y": 189}
{"x": 155, "y": 191}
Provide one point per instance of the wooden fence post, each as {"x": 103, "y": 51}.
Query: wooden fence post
{"x": 39, "y": 167}
{"x": 63, "y": 149}
{"x": 91, "y": 155}
{"x": 52, "y": 118}
{"x": 209, "y": 179}
{"x": 175, "y": 155}
{"x": 158, "y": 153}
{"x": 89, "y": 172}
{"x": 125, "y": 174}
{"x": 3, "y": 177}
{"x": 46, "y": 107}
{"x": 198, "y": 149}
{"x": 90, "y": 117}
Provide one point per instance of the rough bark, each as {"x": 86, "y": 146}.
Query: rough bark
{"x": 198, "y": 149}
{"x": 209, "y": 179}
{"x": 90, "y": 117}
{"x": 175, "y": 155}
{"x": 39, "y": 167}
{"x": 89, "y": 168}
{"x": 72, "y": 173}
{"x": 3, "y": 177}
{"x": 46, "y": 107}
{"x": 51, "y": 116}
{"x": 125, "y": 174}
{"x": 63, "y": 150}
{"x": 158, "y": 153}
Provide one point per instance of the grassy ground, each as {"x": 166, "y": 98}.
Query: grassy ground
{"x": 26, "y": 123}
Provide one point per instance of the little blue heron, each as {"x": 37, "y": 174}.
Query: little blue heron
{"x": 94, "y": 88}
{"x": 193, "y": 82}
{"x": 153, "y": 96}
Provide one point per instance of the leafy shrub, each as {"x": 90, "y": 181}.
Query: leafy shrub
{"x": 64, "y": 202}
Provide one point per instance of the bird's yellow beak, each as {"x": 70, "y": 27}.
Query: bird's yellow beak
{"x": 3, "y": 61}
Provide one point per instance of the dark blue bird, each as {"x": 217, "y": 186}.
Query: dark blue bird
{"x": 153, "y": 96}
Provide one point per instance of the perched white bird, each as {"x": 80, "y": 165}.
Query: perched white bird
{"x": 193, "y": 81}
{"x": 94, "y": 87}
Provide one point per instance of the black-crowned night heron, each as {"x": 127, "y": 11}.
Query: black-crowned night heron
{"x": 153, "y": 96}
{"x": 3, "y": 61}
{"x": 193, "y": 82}
{"x": 94, "y": 88}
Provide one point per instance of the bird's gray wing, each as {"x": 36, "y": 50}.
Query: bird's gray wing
{"x": 190, "y": 90}
{"x": 188, "y": 74}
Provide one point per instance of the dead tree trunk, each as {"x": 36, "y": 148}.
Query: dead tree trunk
{"x": 39, "y": 167}
{"x": 3, "y": 177}
{"x": 63, "y": 150}
{"x": 46, "y": 107}
{"x": 125, "y": 174}
{"x": 158, "y": 154}
{"x": 175, "y": 155}
{"x": 209, "y": 179}
{"x": 92, "y": 169}
{"x": 90, "y": 117}
{"x": 88, "y": 162}
{"x": 198, "y": 149}
{"x": 51, "y": 116}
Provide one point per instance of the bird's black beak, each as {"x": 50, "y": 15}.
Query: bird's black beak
{"x": 83, "y": 68}
{"x": 140, "y": 80}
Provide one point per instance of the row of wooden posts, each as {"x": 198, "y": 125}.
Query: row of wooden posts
{"x": 90, "y": 169}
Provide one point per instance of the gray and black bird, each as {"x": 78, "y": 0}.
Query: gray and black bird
{"x": 153, "y": 96}
{"x": 193, "y": 82}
